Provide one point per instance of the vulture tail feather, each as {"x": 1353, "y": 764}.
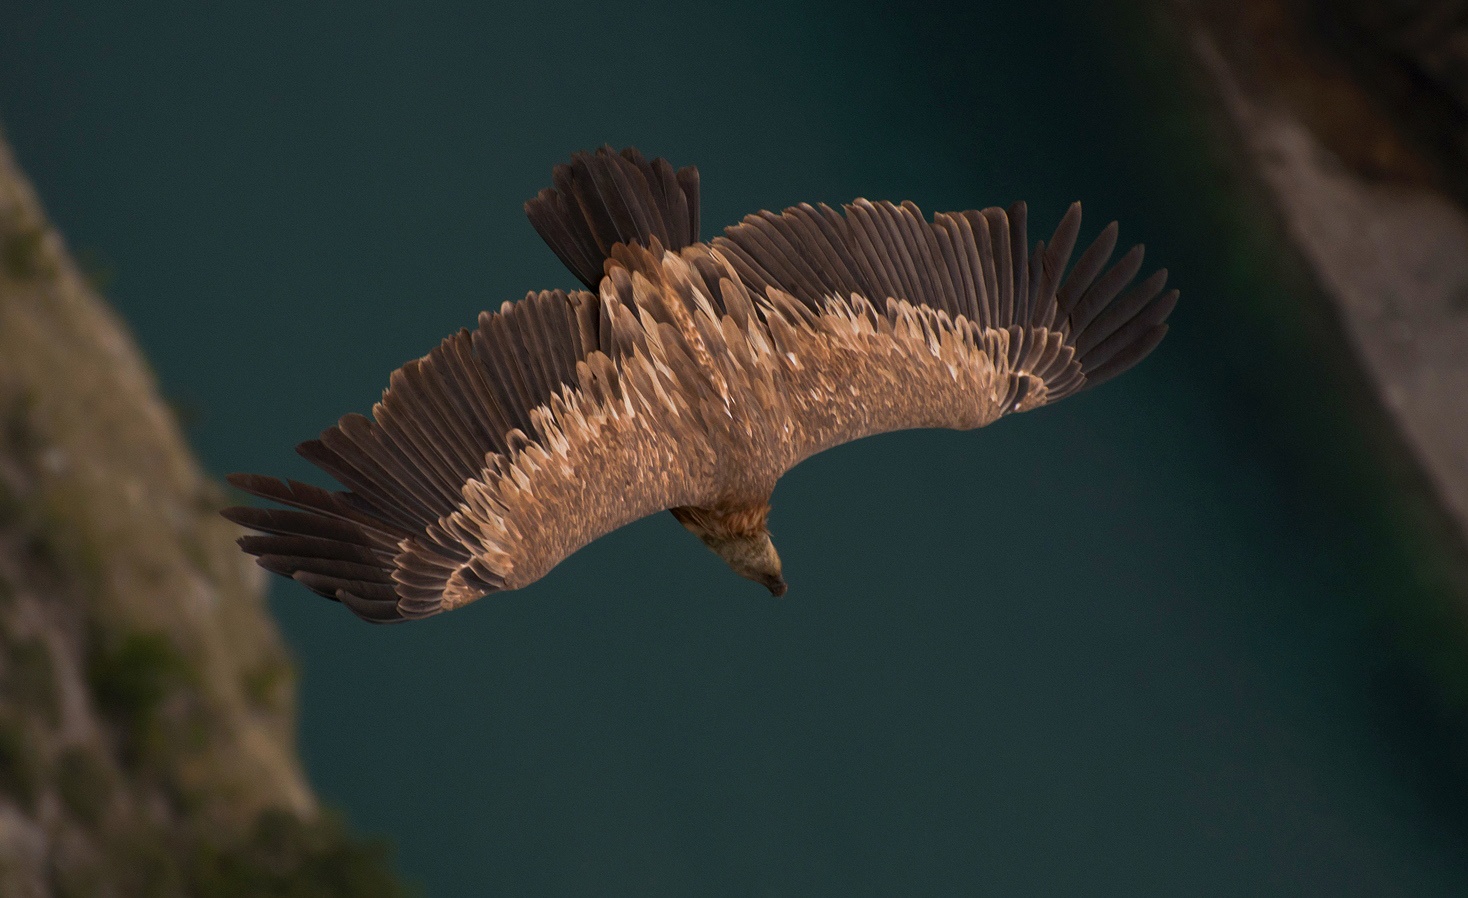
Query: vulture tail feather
{"x": 604, "y": 198}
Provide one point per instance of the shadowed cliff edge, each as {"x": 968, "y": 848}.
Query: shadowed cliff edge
{"x": 1354, "y": 116}
{"x": 146, "y": 701}
{"x": 1341, "y": 135}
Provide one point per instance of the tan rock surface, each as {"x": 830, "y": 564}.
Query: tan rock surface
{"x": 1387, "y": 244}
{"x": 146, "y": 702}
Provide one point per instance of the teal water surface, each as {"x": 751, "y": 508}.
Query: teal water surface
{"x": 1123, "y": 645}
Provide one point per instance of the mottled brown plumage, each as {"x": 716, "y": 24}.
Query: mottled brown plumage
{"x": 691, "y": 381}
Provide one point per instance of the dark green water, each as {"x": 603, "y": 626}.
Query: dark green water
{"x": 1131, "y": 644}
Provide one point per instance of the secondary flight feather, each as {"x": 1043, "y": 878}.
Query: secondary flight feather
{"x": 689, "y": 377}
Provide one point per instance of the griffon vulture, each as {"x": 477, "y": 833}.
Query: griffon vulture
{"x": 689, "y": 377}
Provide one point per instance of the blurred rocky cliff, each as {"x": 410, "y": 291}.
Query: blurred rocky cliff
{"x": 146, "y": 720}
{"x": 1354, "y": 116}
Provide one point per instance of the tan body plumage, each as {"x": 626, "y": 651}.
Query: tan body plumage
{"x": 695, "y": 377}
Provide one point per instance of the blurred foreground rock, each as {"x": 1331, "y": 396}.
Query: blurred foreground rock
{"x": 146, "y": 702}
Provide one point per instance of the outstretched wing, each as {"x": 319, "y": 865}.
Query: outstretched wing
{"x": 877, "y": 321}
{"x": 486, "y": 462}
{"x": 1065, "y": 331}
{"x": 816, "y": 329}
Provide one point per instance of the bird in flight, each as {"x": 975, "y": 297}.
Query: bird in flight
{"x": 688, "y": 377}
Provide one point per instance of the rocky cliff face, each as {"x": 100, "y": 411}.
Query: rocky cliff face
{"x": 1354, "y": 116}
{"x": 146, "y": 729}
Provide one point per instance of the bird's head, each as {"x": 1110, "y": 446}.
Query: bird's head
{"x": 753, "y": 556}
{"x": 741, "y": 538}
